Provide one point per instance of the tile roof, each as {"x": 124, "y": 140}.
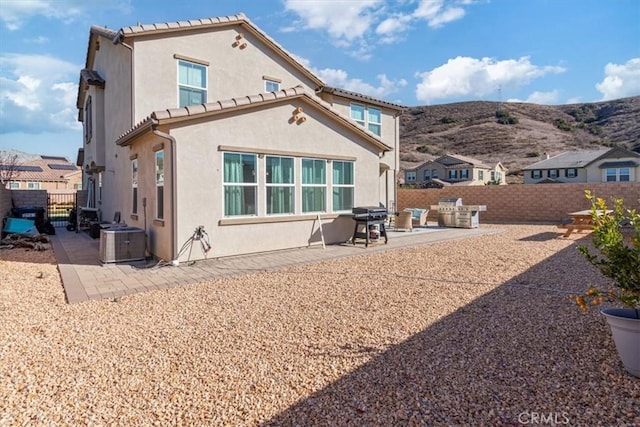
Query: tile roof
{"x": 235, "y": 104}
{"x": 46, "y": 168}
{"x": 358, "y": 96}
{"x": 92, "y": 78}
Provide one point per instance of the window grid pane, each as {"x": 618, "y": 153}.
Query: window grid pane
{"x": 240, "y": 184}
{"x": 280, "y": 185}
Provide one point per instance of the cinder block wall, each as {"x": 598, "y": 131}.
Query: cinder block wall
{"x": 29, "y": 198}
{"x": 545, "y": 203}
{"x": 5, "y": 202}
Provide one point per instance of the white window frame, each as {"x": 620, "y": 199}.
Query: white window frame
{"x": 628, "y": 174}
{"x": 275, "y": 85}
{"x": 291, "y": 186}
{"x": 411, "y": 176}
{"x": 134, "y": 186}
{"x": 13, "y": 185}
{"x": 339, "y": 186}
{"x": 610, "y": 173}
{"x": 481, "y": 175}
{"x": 366, "y": 122}
{"x": 203, "y": 89}
{"x": 33, "y": 185}
{"x": 304, "y": 185}
{"x": 253, "y": 184}
{"x": 160, "y": 171}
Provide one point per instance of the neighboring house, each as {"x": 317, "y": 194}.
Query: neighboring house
{"x": 453, "y": 169}
{"x": 211, "y": 123}
{"x": 49, "y": 173}
{"x": 605, "y": 165}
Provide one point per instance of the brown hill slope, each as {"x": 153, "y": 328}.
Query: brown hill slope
{"x": 472, "y": 129}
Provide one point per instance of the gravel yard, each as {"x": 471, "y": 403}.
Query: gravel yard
{"x": 477, "y": 331}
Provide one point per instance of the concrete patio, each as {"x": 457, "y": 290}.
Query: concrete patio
{"x": 85, "y": 278}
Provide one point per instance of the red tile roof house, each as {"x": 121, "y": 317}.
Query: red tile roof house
{"x": 212, "y": 123}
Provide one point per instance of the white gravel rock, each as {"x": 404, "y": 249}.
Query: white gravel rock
{"x": 477, "y": 331}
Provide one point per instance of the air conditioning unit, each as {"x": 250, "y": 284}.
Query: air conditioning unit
{"x": 122, "y": 244}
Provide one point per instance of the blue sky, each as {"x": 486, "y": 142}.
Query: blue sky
{"x": 413, "y": 52}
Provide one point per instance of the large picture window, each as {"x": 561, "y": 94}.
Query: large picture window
{"x": 160, "y": 184}
{"x": 240, "y": 184}
{"x": 343, "y": 185}
{"x": 192, "y": 84}
{"x": 314, "y": 185}
{"x": 280, "y": 185}
{"x": 134, "y": 186}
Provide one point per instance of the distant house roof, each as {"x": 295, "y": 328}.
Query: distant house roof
{"x": 570, "y": 159}
{"x": 360, "y": 97}
{"x": 580, "y": 159}
{"x": 46, "y": 168}
{"x": 236, "y": 104}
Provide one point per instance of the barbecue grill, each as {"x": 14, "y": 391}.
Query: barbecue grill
{"x": 372, "y": 218}
{"x": 452, "y": 213}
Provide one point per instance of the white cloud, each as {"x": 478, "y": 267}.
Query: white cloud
{"x": 340, "y": 79}
{"x": 37, "y": 94}
{"x": 465, "y": 76}
{"x": 541, "y": 98}
{"x": 370, "y": 22}
{"x": 342, "y": 19}
{"x": 620, "y": 81}
{"x": 14, "y": 13}
{"x": 436, "y": 13}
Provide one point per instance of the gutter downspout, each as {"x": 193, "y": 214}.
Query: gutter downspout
{"x": 174, "y": 205}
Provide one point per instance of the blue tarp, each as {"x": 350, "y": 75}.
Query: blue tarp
{"x": 20, "y": 226}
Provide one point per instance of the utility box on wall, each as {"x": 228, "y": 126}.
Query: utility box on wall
{"x": 122, "y": 244}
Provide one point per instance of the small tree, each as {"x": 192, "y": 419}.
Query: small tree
{"x": 8, "y": 167}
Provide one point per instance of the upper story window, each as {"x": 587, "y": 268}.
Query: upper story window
{"x": 481, "y": 175}
{"x": 411, "y": 176}
{"x": 280, "y": 185}
{"x": 343, "y": 185}
{"x": 192, "y": 83}
{"x": 571, "y": 173}
{"x": 553, "y": 173}
{"x": 271, "y": 84}
{"x": 427, "y": 174}
{"x": 464, "y": 174}
{"x": 14, "y": 185}
{"x": 88, "y": 120}
{"x": 536, "y": 174}
{"x": 240, "y": 182}
{"x": 453, "y": 174}
{"x": 33, "y": 185}
{"x": 434, "y": 174}
{"x": 369, "y": 117}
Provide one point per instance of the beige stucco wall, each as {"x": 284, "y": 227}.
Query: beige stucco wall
{"x": 232, "y": 72}
{"x": 199, "y": 190}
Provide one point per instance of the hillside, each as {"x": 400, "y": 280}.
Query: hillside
{"x": 472, "y": 129}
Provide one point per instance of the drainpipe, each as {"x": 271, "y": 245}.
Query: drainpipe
{"x": 174, "y": 204}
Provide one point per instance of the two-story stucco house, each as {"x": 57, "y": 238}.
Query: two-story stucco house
{"x": 605, "y": 165}
{"x": 212, "y": 123}
{"x": 453, "y": 169}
